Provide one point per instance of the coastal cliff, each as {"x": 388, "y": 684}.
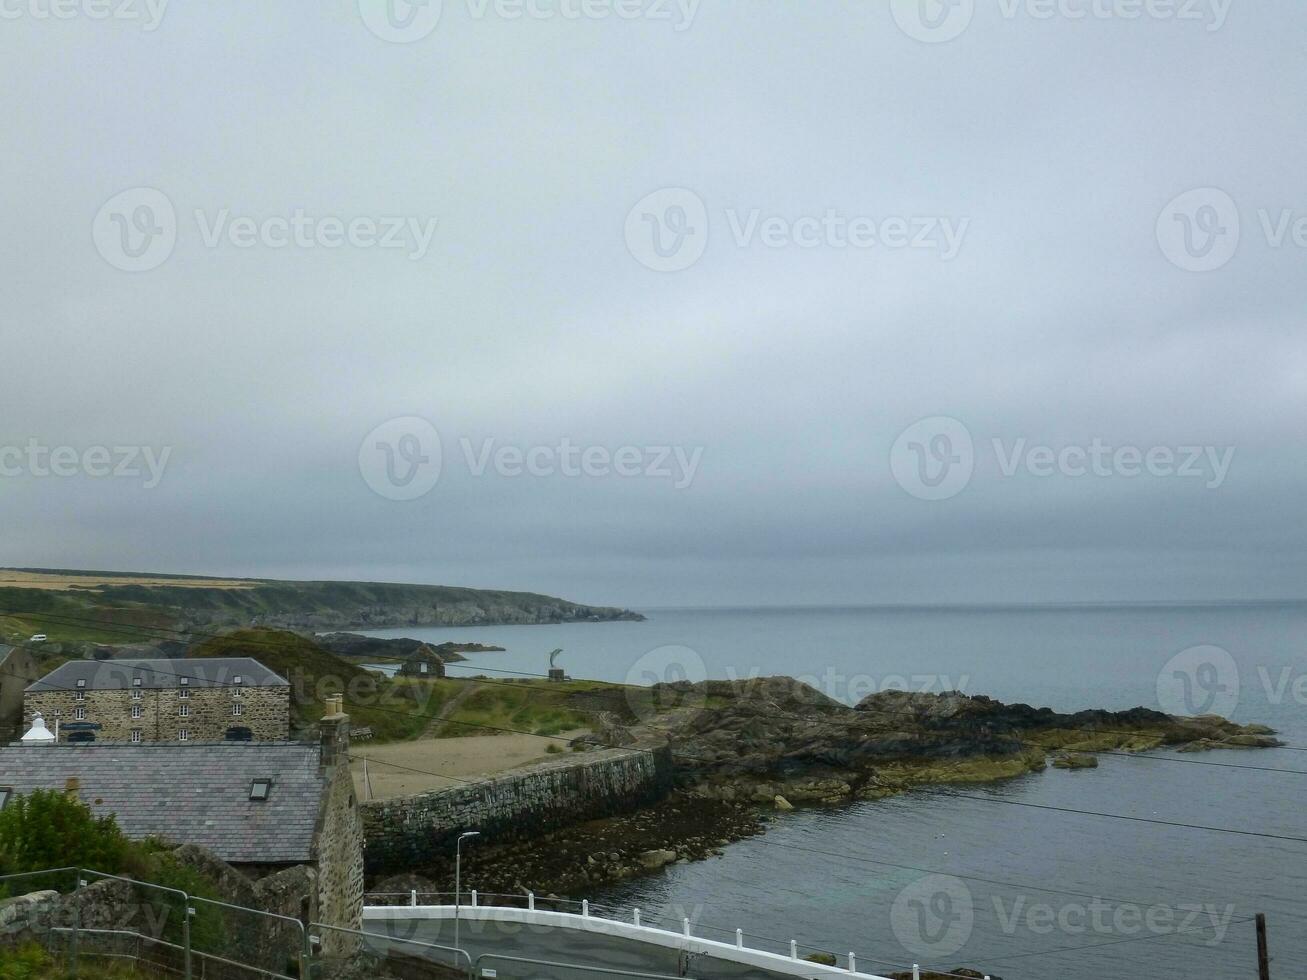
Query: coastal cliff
{"x": 186, "y": 603}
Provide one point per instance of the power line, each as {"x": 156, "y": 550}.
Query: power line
{"x": 1121, "y": 816}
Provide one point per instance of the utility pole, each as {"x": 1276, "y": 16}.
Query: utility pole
{"x": 458, "y": 878}
{"x": 1263, "y": 960}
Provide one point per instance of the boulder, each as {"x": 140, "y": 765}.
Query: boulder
{"x": 655, "y": 859}
{"x": 783, "y": 804}
{"x": 1075, "y": 760}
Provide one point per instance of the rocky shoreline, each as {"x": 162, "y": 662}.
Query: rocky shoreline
{"x": 572, "y": 862}
{"x": 746, "y": 752}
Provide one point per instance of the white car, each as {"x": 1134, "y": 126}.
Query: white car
{"x": 39, "y": 638}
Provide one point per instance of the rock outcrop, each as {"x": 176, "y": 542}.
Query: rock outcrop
{"x": 757, "y": 740}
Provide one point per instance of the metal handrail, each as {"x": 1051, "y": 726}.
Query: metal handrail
{"x": 141, "y": 937}
{"x": 304, "y": 954}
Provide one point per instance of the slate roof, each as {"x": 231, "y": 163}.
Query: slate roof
{"x": 117, "y": 675}
{"x": 189, "y": 794}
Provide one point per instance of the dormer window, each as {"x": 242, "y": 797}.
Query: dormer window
{"x": 260, "y": 789}
{"x": 81, "y": 683}
{"x": 184, "y": 681}
{"x": 136, "y": 682}
{"x": 236, "y": 680}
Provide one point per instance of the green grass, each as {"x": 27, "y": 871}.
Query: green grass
{"x": 538, "y": 707}
{"x": 32, "y": 962}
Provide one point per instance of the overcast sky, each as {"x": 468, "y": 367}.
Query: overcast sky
{"x": 986, "y": 222}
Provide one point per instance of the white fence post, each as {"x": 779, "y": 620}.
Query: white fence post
{"x": 794, "y": 949}
{"x": 637, "y": 917}
{"x": 739, "y": 939}
{"x": 531, "y": 901}
{"x": 413, "y": 898}
{"x": 585, "y": 906}
{"x": 916, "y": 972}
{"x": 685, "y": 925}
{"x": 474, "y": 898}
{"x": 853, "y": 963}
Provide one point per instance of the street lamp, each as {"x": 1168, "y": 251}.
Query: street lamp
{"x": 458, "y": 877}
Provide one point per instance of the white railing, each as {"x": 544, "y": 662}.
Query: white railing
{"x": 475, "y": 911}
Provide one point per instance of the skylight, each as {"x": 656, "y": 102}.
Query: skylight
{"x": 259, "y": 789}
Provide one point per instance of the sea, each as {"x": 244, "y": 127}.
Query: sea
{"x": 1018, "y": 879}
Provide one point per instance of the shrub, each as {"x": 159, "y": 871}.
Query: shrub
{"x": 48, "y": 829}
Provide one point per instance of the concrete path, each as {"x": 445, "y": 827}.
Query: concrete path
{"x": 590, "y": 956}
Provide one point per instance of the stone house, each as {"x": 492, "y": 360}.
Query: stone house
{"x": 17, "y": 670}
{"x": 262, "y": 807}
{"x": 423, "y": 663}
{"x": 142, "y": 701}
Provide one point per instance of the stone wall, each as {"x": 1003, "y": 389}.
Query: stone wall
{"x": 339, "y": 844}
{"x": 17, "y": 671}
{"x": 265, "y": 711}
{"x": 406, "y": 832}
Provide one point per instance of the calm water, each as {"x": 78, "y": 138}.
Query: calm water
{"x": 827, "y": 877}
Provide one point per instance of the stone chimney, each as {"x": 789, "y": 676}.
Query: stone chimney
{"x": 334, "y": 734}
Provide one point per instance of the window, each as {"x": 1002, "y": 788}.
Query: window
{"x": 136, "y": 711}
{"x": 260, "y": 789}
{"x": 6, "y": 794}
{"x": 238, "y": 709}
{"x": 184, "y": 681}
{"x": 79, "y": 713}
{"x": 235, "y": 692}
{"x": 79, "y": 696}
{"x": 136, "y": 734}
{"x": 183, "y": 710}
{"x": 184, "y": 735}
{"x": 136, "y": 682}
{"x": 136, "y": 695}
{"x": 184, "y": 694}
{"x": 81, "y": 683}
{"x": 237, "y": 680}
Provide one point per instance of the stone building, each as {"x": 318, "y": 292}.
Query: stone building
{"x": 424, "y": 663}
{"x": 17, "y": 670}
{"x": 261, "y": 807}
{"x": 206, "y": 700}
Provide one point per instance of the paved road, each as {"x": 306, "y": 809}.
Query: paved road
{"x": 593, "y": 957}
